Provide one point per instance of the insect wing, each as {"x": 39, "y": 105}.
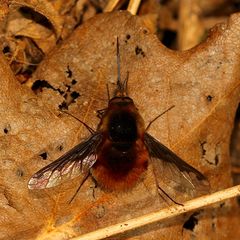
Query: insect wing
{"x": 75, "y": 162}
{"x": 172, "y": 173}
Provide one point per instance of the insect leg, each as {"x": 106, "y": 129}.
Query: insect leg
{"x": 82, "y": 182}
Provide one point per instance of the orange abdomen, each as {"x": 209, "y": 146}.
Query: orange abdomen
{"x": 116, "y": 170}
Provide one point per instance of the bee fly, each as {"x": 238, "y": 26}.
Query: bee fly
{"x": 118, "y": 153}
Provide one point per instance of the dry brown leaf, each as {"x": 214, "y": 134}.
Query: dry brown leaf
{"x": 45, "y": 8}
{"x": 42, "y": 23}
{"x": 22, "y": 37}
{"x": 28, "y": 28}
{"x": 203, "y": 83}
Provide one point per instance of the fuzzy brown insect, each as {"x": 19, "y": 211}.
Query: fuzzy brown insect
{"x": 118, "y": 153}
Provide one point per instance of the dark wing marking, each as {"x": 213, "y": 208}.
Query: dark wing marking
{"x": 172, "y": 172}
{"x": 73, "y": 163}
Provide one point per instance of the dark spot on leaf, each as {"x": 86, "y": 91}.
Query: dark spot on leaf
{"x": 191, "y": 222}
{"x": 75, "y": 95}
{"x": 68, "y": 88}
{"x": 74, "y": 82}
{"x": 60, "y": 148}
{"x": 63, "y": 106}
{"x": 61, "y": 92}
{"x": 139, "y": 50}
{"x": 6, "y": 49}
{"x": 145, "y": 31}
{"x": 43, "y": 155}
{"x": 38, "y": 85}
{"x": 128, "y": 36}
{"x": 209, "y": 98}
{"x": 68, "y": 72}
{"x": 7, "y": 129}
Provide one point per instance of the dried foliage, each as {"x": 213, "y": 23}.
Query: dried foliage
{"x": 76, "y": 63}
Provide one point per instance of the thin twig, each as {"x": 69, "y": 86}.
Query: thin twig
{"x": 133, "y": 6}
{"x": 190, "y": 29}
{"x": 111, "y": 5}
{"x": 162, "y": 214}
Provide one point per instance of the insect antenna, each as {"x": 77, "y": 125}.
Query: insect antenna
{"x": 121, "y": 90}
{"x": 82, "y": 182}
{"x": 158, "y": 116}
{"x": 118, "y": 68}
{"x": 92, "y": 131}
{"x": 125, "y": 84}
